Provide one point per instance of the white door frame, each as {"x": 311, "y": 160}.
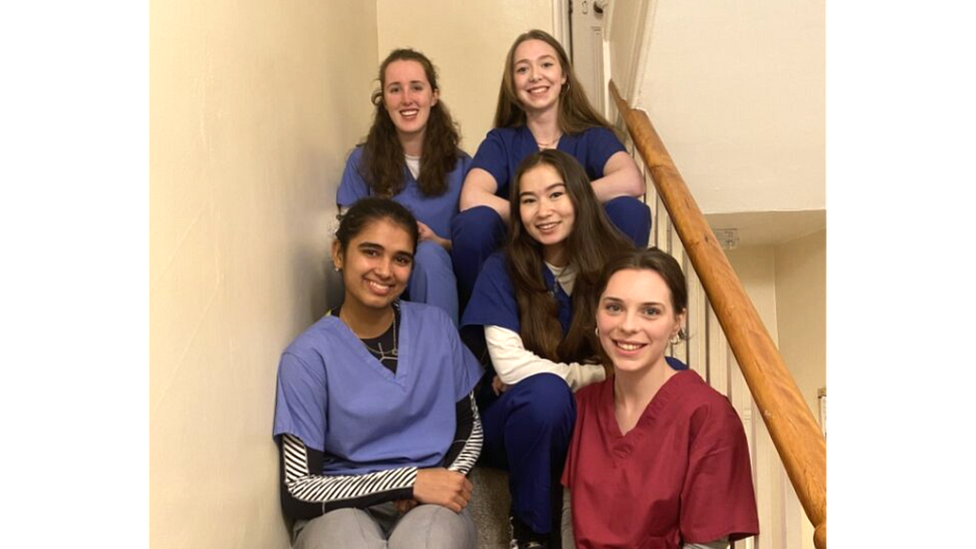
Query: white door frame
{"x": 560, "y": 24}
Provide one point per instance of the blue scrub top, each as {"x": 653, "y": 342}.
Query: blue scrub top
{"x": 493, "y": 301}
{"x": 337, "y": 398}
{"x": 505, "y": 148}
{"x": 435, "y": 211}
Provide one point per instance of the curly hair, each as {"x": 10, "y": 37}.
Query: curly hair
{"x": 383, "y": 161}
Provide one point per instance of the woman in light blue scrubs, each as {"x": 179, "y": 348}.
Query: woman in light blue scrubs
{"x": 411, "y": 155}
{"x": 375, "y": 418}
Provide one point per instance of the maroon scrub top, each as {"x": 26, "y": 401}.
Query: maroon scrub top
{"x": 681, "y": 475}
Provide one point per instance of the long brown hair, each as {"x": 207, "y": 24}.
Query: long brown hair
{"x": 590, "y": 244}
{"x": 383, "y": 163}
{"x": 575, "y": 112}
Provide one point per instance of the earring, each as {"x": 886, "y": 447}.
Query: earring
{"x": 676, "y": 338}
{"x": 597, "y": 331}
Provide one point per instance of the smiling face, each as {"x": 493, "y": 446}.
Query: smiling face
{"x": 408, "y": 97}
{"x": 546, "y": 211}
{"x": 538, "y": 77}
{"x": 636, "y": 319}
{"x": 375, "y": 265}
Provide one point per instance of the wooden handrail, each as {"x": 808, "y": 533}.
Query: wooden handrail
{"x": 796, "y": 435}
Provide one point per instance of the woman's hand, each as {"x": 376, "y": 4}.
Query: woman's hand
{"x": 498, "y": 386}
{"x": 441, "y": 487}
{"x": 426, "y": 233}
{"x": 405, "y": 505}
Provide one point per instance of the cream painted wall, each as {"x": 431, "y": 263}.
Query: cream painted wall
{"x": 801, "y": 298}
{"x": 467, "y": 41}
{"x": 737, "y": 92}
{"x": 755, "y": 266}
{"x": 801, "y": 304}
{"x": 787, "y": 284}
{"x": 252, "y": 108}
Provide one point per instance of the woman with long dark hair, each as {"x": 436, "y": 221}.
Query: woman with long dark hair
{"x": 541, "y": 105}
{"x": 533, "y": 306}
{"x": 411, "y": 155}
{"x": 374, "y": 414}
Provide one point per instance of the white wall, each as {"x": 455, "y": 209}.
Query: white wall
{"x": 252, "y": 107}
{"x": 467, "y": 41}
{"x": 737, "y": 92}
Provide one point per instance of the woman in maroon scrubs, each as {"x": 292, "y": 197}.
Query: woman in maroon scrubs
{"x": 658, "y": 458}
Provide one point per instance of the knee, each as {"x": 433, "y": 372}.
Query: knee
{"x": 434, "y": 527}
{"x": 631, "y": 216}
{"x": 340, "y": 528}
{"x": 548, "y": 402}
{"x": 478, "y": 227}
{"x": 627, "y": 207}
{"x": 431, "y": 257}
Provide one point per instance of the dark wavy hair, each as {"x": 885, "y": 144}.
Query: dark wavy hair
{"x": 383, "y": 164}
{"x": 369, "y": 210}
{"x": 575, "y": 112}
{"x": 592, "y": 241}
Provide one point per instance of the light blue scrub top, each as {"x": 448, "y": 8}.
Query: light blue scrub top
{"x": 337, "y": 398}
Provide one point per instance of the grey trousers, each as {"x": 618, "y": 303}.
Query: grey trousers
{"x": 382, "y": 527}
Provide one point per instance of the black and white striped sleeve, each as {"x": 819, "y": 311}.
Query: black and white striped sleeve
{"x": 468, "y": 437}
{"x": 305, "y": 495}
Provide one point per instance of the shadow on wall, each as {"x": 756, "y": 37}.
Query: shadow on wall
{"x": 328, "y": 294}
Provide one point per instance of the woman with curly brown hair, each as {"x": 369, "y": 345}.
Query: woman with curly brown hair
{"x": 411, "y": 155}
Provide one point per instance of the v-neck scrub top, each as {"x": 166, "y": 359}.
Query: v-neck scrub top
{"x": 493, "y": 302}
{"x": 681, "y": 475}
{"x": 479, "y": 230}
{"x": 505, "y": 148}
{"x": 337, "y": 398}
{"x": 434, "y": 211}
